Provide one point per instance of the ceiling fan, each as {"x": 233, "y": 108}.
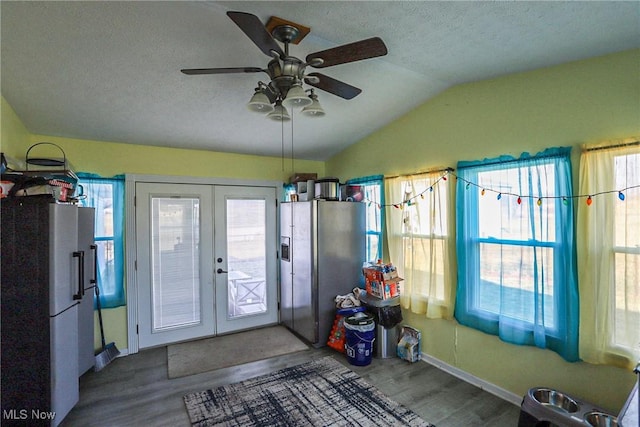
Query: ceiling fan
{"x": 287, "y": 73}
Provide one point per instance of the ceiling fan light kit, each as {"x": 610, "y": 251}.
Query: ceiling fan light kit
{"x": 279, "y": 113}
{"x": 296, "y": 97}
{"x": 287, "y": 73}
{"x": 314, "y": 109}
{"x": 260, "y": 102}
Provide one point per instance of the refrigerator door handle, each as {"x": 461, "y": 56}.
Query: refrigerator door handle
{"x": 94, "y": 279}
{"x": 80, "y": 256}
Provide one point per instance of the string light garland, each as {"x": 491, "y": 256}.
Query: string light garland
{"x": 500, "y": 194}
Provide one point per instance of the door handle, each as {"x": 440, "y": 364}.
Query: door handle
{"x": 220, "y": 271}
{"x": 80, "y": 256}
{"x": 94, "y": 280}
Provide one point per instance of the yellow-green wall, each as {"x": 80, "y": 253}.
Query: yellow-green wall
{"x": 567, "y": 105}
{"x": 110, "y": 158}
{"x": 12, "y": 131}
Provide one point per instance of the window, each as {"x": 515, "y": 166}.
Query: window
{"x": 516, "y": 262}
{"x": 609, "y": 254}
{"x": 106, "y": 195}
{"x": 626, "y": 254}
{"x": 418, "y": 238}
{"x": 373, "y": 197}
{"x": 287, "y": 191}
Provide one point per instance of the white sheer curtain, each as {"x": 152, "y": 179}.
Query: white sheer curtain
{"x": 608, "y": 242}
{"x": 418, "y": 236}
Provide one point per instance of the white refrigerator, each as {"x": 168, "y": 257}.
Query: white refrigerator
{"x": 65, "y": 270}
{"x": 89, "y": 250}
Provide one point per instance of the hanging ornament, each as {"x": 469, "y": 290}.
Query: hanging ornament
{"x": 564, "y": 201}
{"x": 519, "y": 200}
{"x": 621, "y": 196}
{"x": 539, "y": 202}
{"x": 482, "y": 192}
{"x": 589, "y": 201}
{"x": 499, "y": 196}
{"x": 468, "y": 184}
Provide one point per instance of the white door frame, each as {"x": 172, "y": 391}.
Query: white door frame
{"x": 130, "y": 234}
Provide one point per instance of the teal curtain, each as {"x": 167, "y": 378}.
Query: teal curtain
{"x": 106, "y": 195}
{"x": 517, "y": 276}
{"x": 374, "y": 198}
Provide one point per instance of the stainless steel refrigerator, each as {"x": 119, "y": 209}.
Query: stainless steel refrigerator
{"x": 322, "y": 248}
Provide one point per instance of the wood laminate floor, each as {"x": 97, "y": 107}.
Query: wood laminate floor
{"x": 135, "y": 391}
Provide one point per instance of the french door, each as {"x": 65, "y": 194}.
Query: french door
{"x": 206, "y": 260}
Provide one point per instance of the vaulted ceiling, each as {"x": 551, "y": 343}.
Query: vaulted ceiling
{"x": 110, "y": 70}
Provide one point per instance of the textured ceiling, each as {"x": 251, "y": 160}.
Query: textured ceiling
{"x": 109, "y": 71}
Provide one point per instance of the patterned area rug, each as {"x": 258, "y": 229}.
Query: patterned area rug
{"x": 318, "y": 393}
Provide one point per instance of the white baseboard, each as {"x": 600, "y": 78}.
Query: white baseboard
{"x": 472, "y": 379}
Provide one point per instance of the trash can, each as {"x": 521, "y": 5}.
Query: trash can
{"x": 387, "y": 315}
{"x": 360, "y": 336}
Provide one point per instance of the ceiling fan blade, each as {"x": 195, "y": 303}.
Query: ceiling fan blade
{"x": 196, "y": 71}
{"x": 331, "y": 85}
{"x": 255, "y": 30}
{"x": 357, "y": 51}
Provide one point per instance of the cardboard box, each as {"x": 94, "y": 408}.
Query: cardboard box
{"x": 381, "y": 283}
{"x": 409, "y": 345}
{"x": 392, "y": 275}
{"x": 384, "y": 289}
{"x": 302, "y": 177}
{"x": 376, "y": 273}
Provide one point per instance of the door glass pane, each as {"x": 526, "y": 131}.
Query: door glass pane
{"x": 246, "y": 253}
{"x": 175, "y": 256}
